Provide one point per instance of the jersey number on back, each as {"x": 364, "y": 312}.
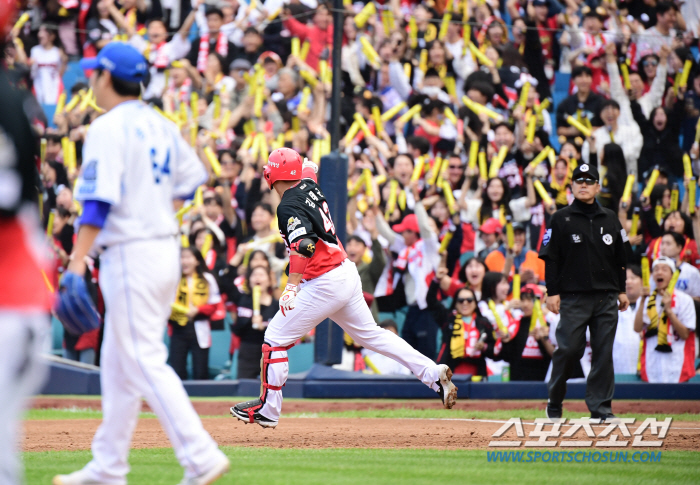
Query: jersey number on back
{"x": 327, "y": 222}
{"x": 160, "y": 170}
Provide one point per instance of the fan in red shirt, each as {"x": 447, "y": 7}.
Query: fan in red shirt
{"x": 546, "y": 27}
{"x": 319, "y": 35}
{"x": 428, "y": 124}
{"x": 676, "y": 222}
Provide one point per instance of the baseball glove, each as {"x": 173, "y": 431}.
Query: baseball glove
{"x": 74, "y": 306}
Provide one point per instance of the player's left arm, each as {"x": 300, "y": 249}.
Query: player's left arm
{"x": 299, "y": 255}
{"x": 297, "y": 228}
{"x": 91, "y": 222}
{"x": 98, "y": 189}
{"x": 86, "y": 237}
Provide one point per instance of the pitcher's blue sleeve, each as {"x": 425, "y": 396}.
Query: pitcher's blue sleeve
{"x": 95, "y": 213}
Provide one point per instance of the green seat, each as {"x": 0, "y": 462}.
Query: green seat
{"x": 301, "y": 357}
{"x": 627, "y": 378}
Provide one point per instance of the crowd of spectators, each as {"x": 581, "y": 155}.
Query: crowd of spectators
{"x": 462, "y": 130}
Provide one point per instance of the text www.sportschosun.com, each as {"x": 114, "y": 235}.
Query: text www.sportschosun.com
{"x": 573, "y": 456}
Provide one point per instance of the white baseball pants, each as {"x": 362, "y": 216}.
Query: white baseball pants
{"x": 22, "y": 373}
{"x": 138, "y": 281}
{"x": 336, "y": 295}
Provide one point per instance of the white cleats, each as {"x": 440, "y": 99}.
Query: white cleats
{"x": 219, "y": 470}
{"x": 447, "y": 390}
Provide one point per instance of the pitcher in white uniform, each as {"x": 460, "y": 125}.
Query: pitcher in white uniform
{"x": 134, "y": 164}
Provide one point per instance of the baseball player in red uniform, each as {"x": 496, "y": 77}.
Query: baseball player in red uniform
{"x": 323, "y": 283}
{"x": 25, "y": 301}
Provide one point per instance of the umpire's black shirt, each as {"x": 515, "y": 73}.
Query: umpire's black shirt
{"x": 584, "y": 250}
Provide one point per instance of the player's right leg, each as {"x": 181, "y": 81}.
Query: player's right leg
{"x": 22, "y": 371}
{"x": 121, "y": 404}
{"x": 139, "y": 281}
{"x": 316, "y": 300}
{"x": 356, "y": 319}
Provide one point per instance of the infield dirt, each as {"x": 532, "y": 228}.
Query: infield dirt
{"x": 214, "y": 408}
{"x": 53, "y": 435}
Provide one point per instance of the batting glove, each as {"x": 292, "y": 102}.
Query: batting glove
{"x": 308, "y": 163}
{"x": 287, "y": 298}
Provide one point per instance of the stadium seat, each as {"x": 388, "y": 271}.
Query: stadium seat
{"x": 56, "y": 337}
{"x": 561, "y": 82}
{"x": 558, "y": 97}
{"x": 73, "y": 74}
{"x": 301, "y": 357}
{"x": 627, "y": 378}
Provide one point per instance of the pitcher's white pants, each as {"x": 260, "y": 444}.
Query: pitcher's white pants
{"x": 336, "y": 295}
{"x": 138, "y": 281}
{"x": 21, "y": 374}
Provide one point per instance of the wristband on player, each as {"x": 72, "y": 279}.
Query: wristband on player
{"x": 302, "y": 251}
{"x": 297, "y": 263}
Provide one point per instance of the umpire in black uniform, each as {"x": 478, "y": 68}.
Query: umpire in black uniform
{"x": 585, "y": 254}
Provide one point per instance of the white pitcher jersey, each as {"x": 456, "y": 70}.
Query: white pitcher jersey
{"x": 136, "y": 161}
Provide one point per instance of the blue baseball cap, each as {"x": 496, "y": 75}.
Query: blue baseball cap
{"x": 122, "y": 60}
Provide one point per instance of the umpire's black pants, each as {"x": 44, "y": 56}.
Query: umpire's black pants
{"x": 598, "y": 311}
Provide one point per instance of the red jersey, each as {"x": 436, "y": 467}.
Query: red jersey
{"x": 23, "y": 288}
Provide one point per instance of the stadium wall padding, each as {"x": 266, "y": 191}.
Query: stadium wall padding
{"x": 329, "y": 383}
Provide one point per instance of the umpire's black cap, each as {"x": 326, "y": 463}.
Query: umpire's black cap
{"x": 585, "y": 170}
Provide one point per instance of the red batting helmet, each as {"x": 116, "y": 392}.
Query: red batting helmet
{"x": 283, "y": 164}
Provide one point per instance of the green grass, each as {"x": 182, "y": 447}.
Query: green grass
{"x": 354, "y": 466}
{"x": 71, "y": 413}
{"x": 525, "y": 413}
